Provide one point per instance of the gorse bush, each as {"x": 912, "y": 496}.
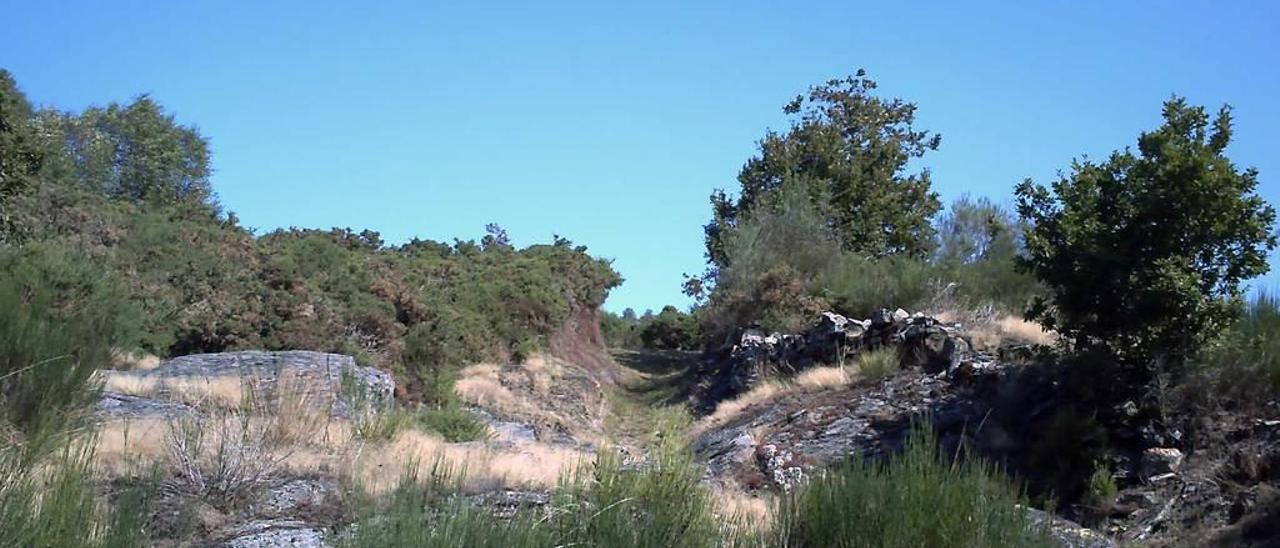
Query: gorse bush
{"x": 916, "y": 498}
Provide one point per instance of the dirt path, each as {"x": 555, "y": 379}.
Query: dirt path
{"x": 651, "y": 389}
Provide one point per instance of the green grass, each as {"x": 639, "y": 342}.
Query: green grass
{"x": 916, "y": 499}
{"x": 877, "y": 364}
{"x": 453, "y": 423}
{"x": 50, "y": 501}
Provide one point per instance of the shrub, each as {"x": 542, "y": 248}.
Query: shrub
{"x": 60, "y": 318}
{"x": 1102, "y": 488}
{"x": 1244, "y": 366}
{"x": 222, "y": 460}
{"x": 858, "y": 286}
{"x": 454, "y": 423}
{"x": 1144, "y": 254}
{"x": 978, "y": 244}
{"x": 916, "y": 498}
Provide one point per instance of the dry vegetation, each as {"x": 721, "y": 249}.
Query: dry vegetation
{"x": 1008, "y": 330}
{"x": 546, "y": 392}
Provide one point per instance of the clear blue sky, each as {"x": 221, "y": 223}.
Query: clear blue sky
{"x": 612, "y": 125}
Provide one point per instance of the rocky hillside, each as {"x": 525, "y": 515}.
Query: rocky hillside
{"x": 776, "y": 413}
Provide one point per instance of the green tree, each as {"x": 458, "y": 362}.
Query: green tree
{"x": 1143, "y": 254}
{"x": 849, "y": 150}
{"x": 978, "y": 243}
{"x": 135, "y": 152}
{"x": 671, "y": 329}
{"x": 20, "y": 154}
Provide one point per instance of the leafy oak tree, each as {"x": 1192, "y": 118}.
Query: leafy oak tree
{"x": 1143, "y": 254}
{"x": 849, "y": 149}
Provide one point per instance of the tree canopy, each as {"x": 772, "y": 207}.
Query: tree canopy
{"x": 849, "y": 149}
{"x": 1145, "y": 253}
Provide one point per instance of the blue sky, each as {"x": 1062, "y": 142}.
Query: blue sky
{"x": 611, "y": 125}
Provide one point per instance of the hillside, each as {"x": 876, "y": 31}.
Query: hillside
{"x": 1085, "y": 371}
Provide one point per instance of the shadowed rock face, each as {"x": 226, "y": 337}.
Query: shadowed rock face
{"x": 322, "y": 381}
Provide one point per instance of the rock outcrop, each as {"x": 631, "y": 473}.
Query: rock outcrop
{"x": 752, "y": 355}
{"x": 332, "y": 383}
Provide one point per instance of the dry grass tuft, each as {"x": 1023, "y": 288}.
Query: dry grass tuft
{"x": 812, "y": 379}
{"x": 133, "y": 361}
{"x": 822, "y": 377}
{"x": 729, "y": 409}
{"x": 733, "y": 505}
{"x": 379, "y": 469}
{"x": 221, "y": 392}
{"x": 486, "y": 392}
{"x": 1009, "y": 330}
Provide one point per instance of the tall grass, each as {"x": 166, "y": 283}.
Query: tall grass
{"x": 661, "y": 504}
{"x": 1260, "y": 328}
{"x": 59, "y": 320}
{"x": 53, "y": 504}
{"x": 916, "y": 498}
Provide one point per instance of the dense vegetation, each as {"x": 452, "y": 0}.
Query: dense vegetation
{"x": 1142, "y": 256}
{"x": 670, "y": 329}
{"x": 127, "y": 188}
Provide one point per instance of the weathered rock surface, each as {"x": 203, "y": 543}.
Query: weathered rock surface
{"x": 775, "y": 444}
{"x": 329, "y": 382}
{"x": 1069, "y": 534}
{"x": 274, "y": 534}
{"x": 122, "y": 406}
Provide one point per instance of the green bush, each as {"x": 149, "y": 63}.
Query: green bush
{"x": 916, "y": 498}
{"x": 1143, "y": 254}
{"x": 60, "y": 320}
{"x": 858, "y": 286}
{"x": 1102, "y": 488}
{"x": 1244, "y": 365}
{"x": 671, "y": 329}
